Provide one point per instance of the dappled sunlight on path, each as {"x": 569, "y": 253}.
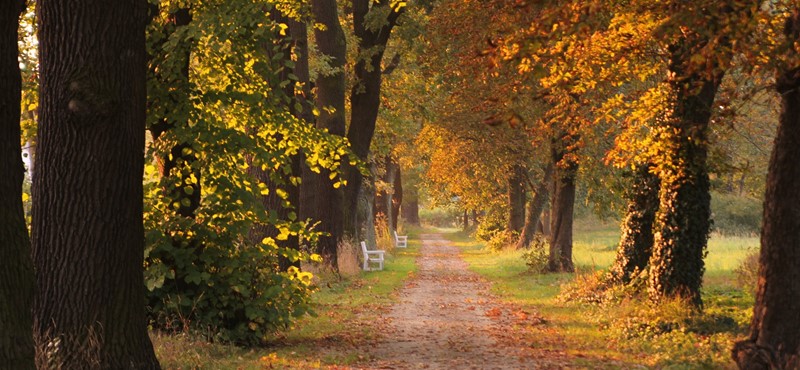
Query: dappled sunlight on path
{"x": 447, "y": 319}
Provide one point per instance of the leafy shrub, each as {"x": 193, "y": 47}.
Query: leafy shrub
{"x": 491, "y": 224}
{"x": 536, "y": 256}
{"x": 747, "y": 272}
{"x": 735, "y": 215}
{"x": 502, "y": 239}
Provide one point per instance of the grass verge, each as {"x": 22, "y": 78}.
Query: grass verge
{"x": 331, "y": 337}
{"x": 629, "y": 333}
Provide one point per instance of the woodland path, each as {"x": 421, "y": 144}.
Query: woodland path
{"x": 446, "y": 318}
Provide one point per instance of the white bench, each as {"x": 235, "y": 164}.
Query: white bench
{"x": 372, "y": 257}
{"x": 401, "y": 241}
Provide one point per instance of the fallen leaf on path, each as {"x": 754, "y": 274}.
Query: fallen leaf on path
{"x": 493, "y": 312}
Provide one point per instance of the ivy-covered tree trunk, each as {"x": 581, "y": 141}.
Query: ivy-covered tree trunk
{"x": 516, "y": 199}
{"x": 562, "y": 207}
{"x": 636, "y": 243}
{"x": 366, "y": 92}
{"x": 330, "y": 85}
{"x": 774, "y": 342}
{"x": 87, "y": 233}
{"x": 16, "y": 267}
{"x": 683, "y": 218}
{"x": 534, "y": 209}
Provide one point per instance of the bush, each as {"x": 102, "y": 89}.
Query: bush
{"x": 735, "y": 215}
{"x": 747, "y": 272}
{"x": 491, "y": 224}
{"x": 536, "y": 256}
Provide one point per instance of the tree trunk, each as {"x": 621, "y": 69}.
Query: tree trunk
{"x": 774, "y": 342}
{"x": 516, "y": 199}
{"x": 465, "y": 220}
{"x": 636, "y": 243}
{"x": 16, "y": 267}
{"x": 397, "y": 196}
{"x": 410, "y": 208}
{"x": 534, "y": 209}
{"x": 330, "y": 94}
{"x": 87, "y": 233}
{"x": 683, "y": 218}
{"x": 365, "y": 94}
{"x": 562, "y": 208}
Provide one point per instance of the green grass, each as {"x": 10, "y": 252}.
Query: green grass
{"x": 614, "y": 335}
{"x": 341, "y": 324}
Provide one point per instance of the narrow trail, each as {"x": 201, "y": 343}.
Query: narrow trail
{"x": 447, "y": 319}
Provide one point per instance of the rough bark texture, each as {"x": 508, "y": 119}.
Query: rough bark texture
{"x": 365, "y": 94}
{"x": 774, "y": 342}
{"x": 562, "y": 208}
{"x": 534, "y": 209}
{"x": 683, "y": 219}
{"x": 330, "y": 94}
{"x": 636, "y": 243}
{"x": 16, "y": 268}
{"x": 516, "y": 199}
{"x": 87, "y": 233}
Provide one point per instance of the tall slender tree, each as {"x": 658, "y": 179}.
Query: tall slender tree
{"x": 16, "y": 268}
{"x": 87, "y": 233}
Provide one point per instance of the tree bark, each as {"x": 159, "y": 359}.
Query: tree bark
{"x": 562, "y": 208}
{"x": 410, "y": 209}
{"x": 636, "y": 243}
{"x": 465, "y": 220}
{"x": 87, "y": 233}
{"x": 683, "y": 219}
{"x": 16, "y": 267}
{"x": 397, "y": 196}
{"x": 330, "y": 94}
{"x": 365, "y": 94}
{"x": 774, "y": 342}
{"x": 534, "y": 209}
{"x": 516, "y": 199}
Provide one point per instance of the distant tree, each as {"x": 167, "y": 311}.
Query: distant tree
{"x": 16, "y": 268}
{"x": 87, "y": 232}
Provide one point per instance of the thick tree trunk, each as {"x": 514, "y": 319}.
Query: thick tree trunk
{"x": 636, "y": 243}
{"x": 774, "y": 342}
{"x": 365, "y": 94}
{"x": 87, "y": 233}
{"x": 16, "y": 267}
{"x": 329, "y": 204}
{"x": 516, "y": 199}
{"x": 534, "y": 209}
{"x": 683, "y": 218}
{"x": 562, "y": 208}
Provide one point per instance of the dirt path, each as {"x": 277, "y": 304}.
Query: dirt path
{"x": 446, "y": 319}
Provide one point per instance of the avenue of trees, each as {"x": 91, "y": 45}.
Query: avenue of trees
{"x": 186, "y": 157}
